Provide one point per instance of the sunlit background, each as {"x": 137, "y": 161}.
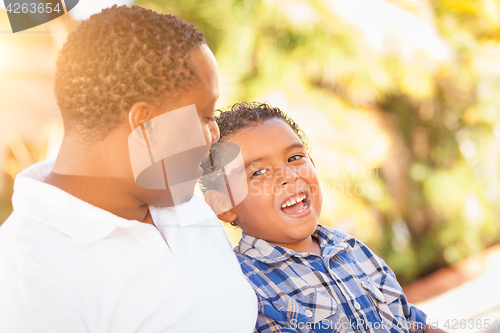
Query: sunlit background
{"x": 399, "y": 99}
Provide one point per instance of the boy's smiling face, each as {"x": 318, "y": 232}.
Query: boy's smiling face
{"x": 284, "y": 197}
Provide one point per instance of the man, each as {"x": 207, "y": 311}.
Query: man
{"x": 80, "y": 252}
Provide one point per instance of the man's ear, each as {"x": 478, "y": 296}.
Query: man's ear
{"x": 220, "y": 205}
{"x": 140, "y": 113}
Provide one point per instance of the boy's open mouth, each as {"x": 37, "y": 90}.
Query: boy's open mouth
{"x": 295, "y": 204}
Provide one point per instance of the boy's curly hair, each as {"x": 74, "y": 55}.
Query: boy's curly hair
{"x": 242, "y": 115}
{"x": 116, "y": 58}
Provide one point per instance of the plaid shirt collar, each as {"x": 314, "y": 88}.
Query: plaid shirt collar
{"x": 269, "y": 253}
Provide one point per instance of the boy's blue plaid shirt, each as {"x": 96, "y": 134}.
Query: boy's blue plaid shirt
{"x": 348, "y": 289}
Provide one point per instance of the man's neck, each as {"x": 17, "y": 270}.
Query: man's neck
{"x": 105, "y": 193}
{"x": 96, "y": 174}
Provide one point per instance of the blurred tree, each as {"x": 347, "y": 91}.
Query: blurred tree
{"x": 30, "y": 123}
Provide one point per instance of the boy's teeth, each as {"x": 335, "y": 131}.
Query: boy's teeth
{"x": 292, "y": 202}
{"x": 305, "y": 207}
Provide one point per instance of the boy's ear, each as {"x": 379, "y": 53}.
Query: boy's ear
{"x": 228, "y": 216}
{"x": 220, "y": 206}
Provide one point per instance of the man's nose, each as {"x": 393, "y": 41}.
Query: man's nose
{"x": 215, "y": 132}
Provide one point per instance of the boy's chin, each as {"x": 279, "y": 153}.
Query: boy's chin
{"x": 310, "y": 226}
{"x": 305, "y": 229}
{"x": 301, "y": 229}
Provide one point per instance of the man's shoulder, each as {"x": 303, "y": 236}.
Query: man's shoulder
{"x": 30, "y": 247}
{"x": 23, "y": 231}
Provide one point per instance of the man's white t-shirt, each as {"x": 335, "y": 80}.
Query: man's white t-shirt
{"x": 67, "y": 266}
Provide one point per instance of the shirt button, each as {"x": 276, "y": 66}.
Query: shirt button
{"x": 357, "y": 306}
{"x": 309, "y": 313}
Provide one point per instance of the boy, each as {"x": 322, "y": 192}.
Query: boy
{"x": 307, "y": 277}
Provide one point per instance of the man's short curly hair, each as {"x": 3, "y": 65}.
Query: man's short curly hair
{"x": 242, "y": 115}
{"x": 118, "y": 57}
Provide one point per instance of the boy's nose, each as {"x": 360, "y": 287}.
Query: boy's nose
{"x": 290, "y": 176}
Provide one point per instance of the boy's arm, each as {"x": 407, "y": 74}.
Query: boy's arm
{"x": 269, "y": 319}
{"x": 378, "y": 270}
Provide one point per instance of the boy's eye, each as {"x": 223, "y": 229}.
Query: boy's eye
{"x": 257, "y": 173}
{"x": 295, "y": 157}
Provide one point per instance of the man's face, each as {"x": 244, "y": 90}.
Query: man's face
{"x": 284, "y": 197}
{"x": 203, "y": 94}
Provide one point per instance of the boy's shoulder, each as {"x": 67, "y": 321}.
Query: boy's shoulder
{"x": 335, "y": 235}
{"x": 254, "y": 253}
{"x": 357, "y": 247}
{"x": 253, "y": 250}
